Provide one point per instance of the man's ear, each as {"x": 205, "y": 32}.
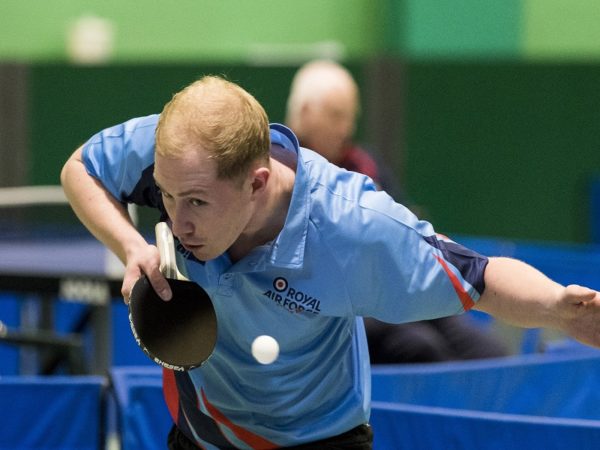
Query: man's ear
{"x": 260, "y": 179}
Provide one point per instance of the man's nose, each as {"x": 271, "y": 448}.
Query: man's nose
{"x": 182, "y": 224}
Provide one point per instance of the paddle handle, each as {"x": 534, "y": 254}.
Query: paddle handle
{"x": 166, "y": 249}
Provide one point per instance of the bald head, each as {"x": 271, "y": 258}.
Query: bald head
{"x": 322, "y": 107}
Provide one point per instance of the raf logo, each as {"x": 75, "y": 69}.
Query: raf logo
{"x": 292, "y": 299}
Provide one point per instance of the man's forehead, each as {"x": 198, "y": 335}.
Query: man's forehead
{"x": 187, "y": 159}
{"x": 199, "y": 172}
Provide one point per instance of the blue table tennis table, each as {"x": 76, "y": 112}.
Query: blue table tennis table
{"x": 72, "y": 268}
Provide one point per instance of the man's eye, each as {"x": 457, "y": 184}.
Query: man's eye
{"x": 197, "y": 202}
{"x": 164, "y": 194}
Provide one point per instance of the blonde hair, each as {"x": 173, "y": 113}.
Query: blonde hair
{"x": 220, "y": 117}
{"x": 313, "y": 82}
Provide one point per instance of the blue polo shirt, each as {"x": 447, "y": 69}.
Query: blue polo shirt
{"x": 346, "y": 251}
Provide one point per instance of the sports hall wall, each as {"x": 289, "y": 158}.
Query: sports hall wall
{"x": 488, "y": 112}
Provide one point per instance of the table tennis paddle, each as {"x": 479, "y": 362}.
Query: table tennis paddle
{"x": 179, "y": 334}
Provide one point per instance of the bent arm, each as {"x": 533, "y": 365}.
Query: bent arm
{"x": 521, "y": 295}
{"x": 101, "y": 213}
{"x": 108, "y": 220}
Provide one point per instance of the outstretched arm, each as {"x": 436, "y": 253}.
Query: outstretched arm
{"x": 521, "y": 295}
{"x": 108, "y": 220}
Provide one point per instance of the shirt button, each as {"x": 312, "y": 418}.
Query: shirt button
{"x": 226, "y": 279}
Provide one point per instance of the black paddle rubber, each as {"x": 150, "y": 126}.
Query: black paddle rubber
{"x": 178, "y": 334}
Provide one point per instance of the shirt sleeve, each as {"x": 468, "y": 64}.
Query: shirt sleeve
{"x": 122, "y": 156}
{"x": 416, "y": 273}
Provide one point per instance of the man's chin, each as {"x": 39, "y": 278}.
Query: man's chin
{"x": 203, "y": 255}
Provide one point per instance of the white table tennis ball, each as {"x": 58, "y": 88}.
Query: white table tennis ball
{"x": 265, "y": 349}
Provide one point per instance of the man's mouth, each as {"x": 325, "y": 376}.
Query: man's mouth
{"x": 191, "y": 246}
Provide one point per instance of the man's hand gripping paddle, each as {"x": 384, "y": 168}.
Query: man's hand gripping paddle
{"x": 179, "y": 334}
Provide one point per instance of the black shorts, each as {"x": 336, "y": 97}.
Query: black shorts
{"x": 358, "y": 438}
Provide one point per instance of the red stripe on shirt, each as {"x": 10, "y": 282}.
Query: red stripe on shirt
{"x": 170, "y": 393}
{"x": 465, "y": 298}
{"x": 253, "y": 440}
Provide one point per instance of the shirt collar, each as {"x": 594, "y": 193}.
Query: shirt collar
{"x": 289, "y": 246}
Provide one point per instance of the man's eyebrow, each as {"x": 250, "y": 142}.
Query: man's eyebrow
{"x": 184, "y": 193}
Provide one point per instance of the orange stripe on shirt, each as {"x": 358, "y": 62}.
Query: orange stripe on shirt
{"x": 465, "y": 298}
{"x": 253, "y": 440}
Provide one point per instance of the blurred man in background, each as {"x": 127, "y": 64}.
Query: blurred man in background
{"x": 322, "y": 109}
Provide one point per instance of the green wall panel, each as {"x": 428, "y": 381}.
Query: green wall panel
{"x": 558, "y": 29}
{"x": 458, "y": 28}
{"x": 193, "y": 30}
{"x": 284, "y": 31}
{"x": 503, "y": 149}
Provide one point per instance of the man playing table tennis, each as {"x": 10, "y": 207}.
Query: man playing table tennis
{"x": 293, "y": 247}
